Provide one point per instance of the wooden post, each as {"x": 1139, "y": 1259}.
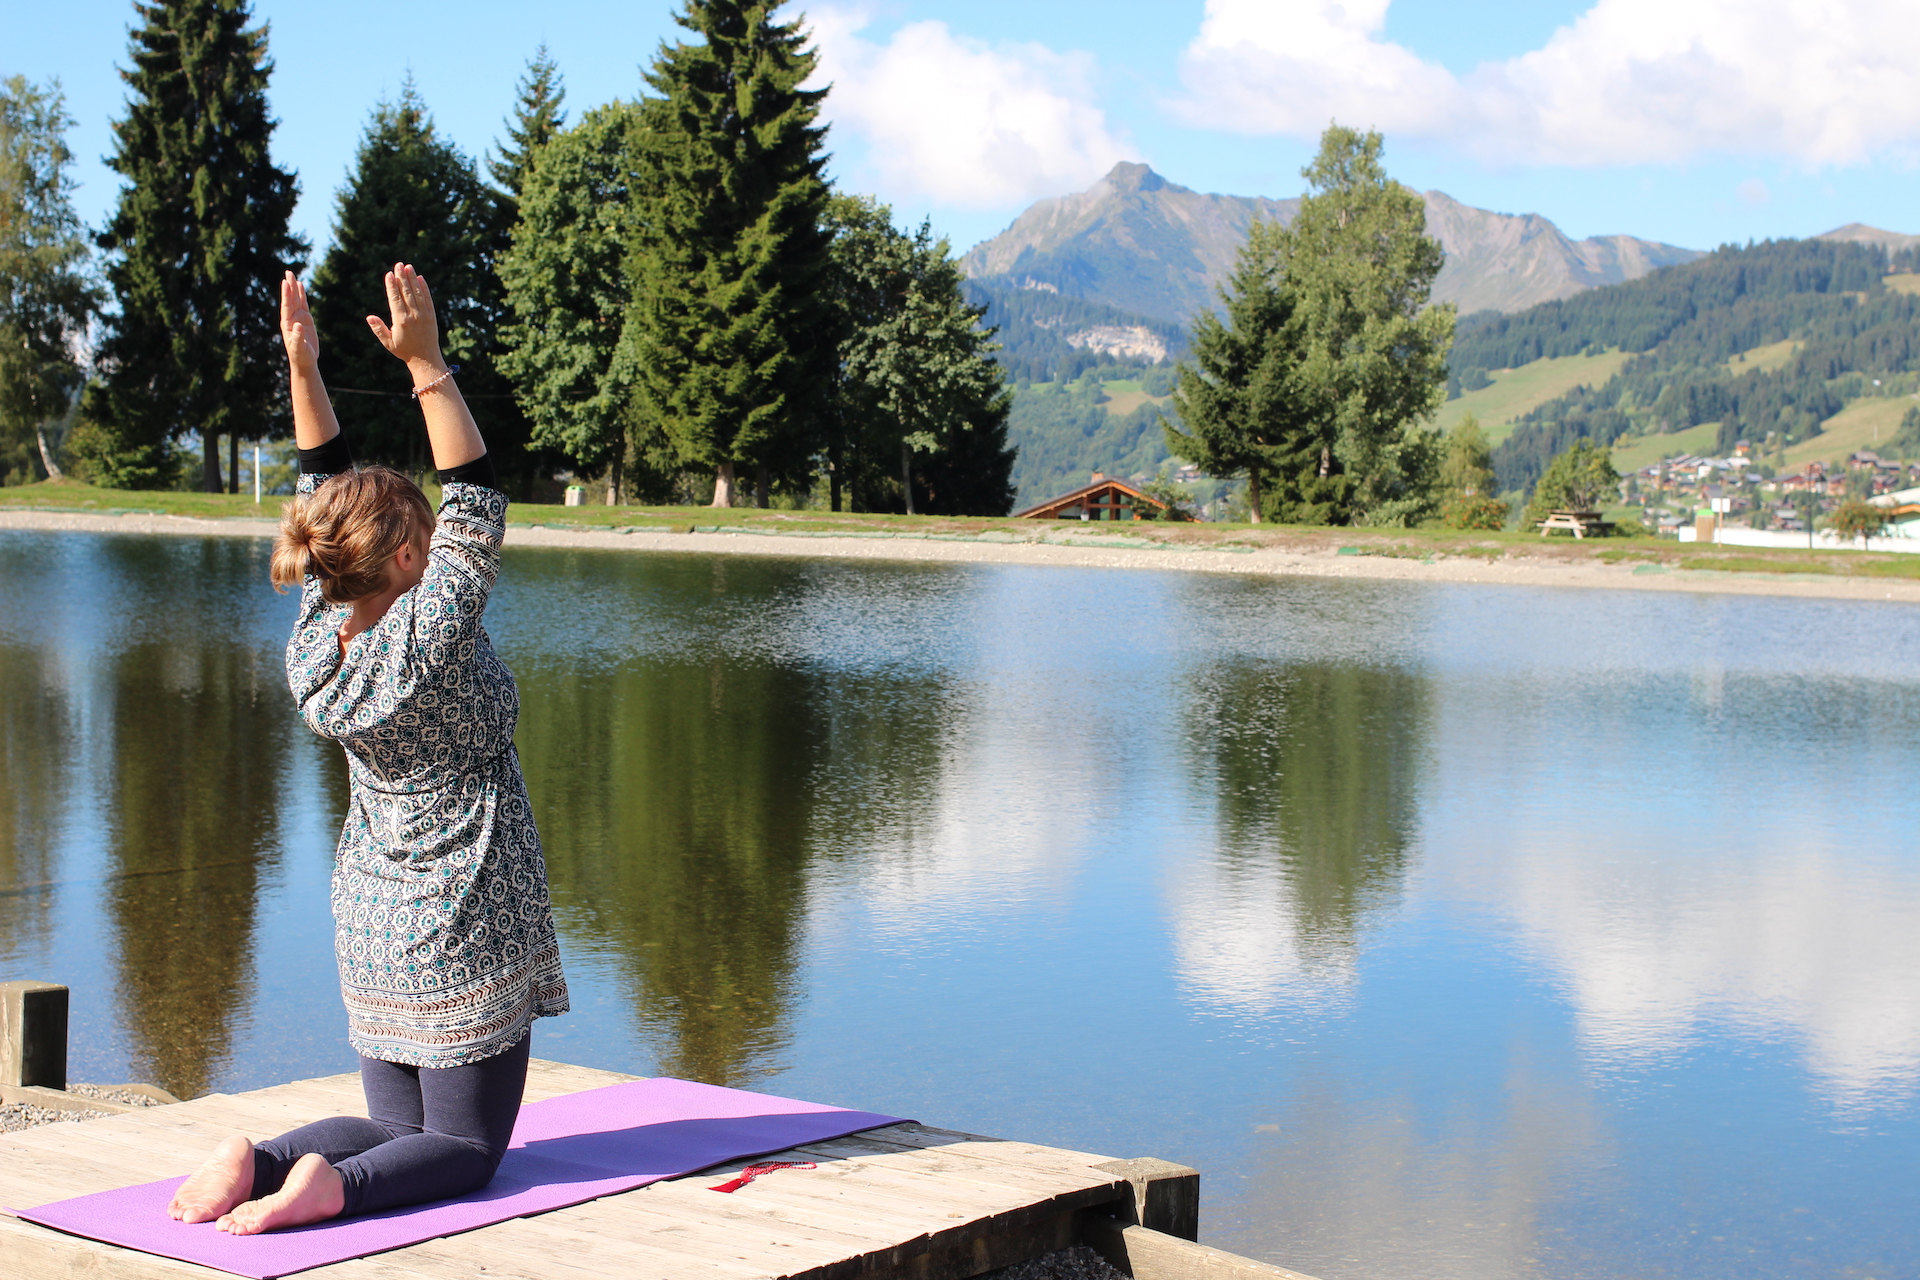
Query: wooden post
{"x": 33, "y": 1034}
{"x": 1166, "y": 1196}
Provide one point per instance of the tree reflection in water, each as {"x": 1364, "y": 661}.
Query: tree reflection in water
{"x": 36, "y": 751}
{"x": 687, "y": 780}
{"x": 198, "y": 739}
{"x": 1313, "y": 773}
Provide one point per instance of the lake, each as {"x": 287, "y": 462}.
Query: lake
{"x": 1451, "y": 931}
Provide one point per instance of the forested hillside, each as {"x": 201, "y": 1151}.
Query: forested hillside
{"x": 1107, "y": 418}
{"x": 1689, "y": 328}
{"x": 1046, "y": 337}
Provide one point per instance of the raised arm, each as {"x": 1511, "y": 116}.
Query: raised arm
{"x": 313, "y": 420}
{"x": 414, "y": 336}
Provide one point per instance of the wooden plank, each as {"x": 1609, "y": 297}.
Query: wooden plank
{"x": 1150, "y": 1255}
{"x": 960, "y": 1162}
{"x": 907, "y": 1202}
{"x": 35, "y": 1253}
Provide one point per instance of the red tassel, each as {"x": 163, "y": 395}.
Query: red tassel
{"x": 753, "y": 1171}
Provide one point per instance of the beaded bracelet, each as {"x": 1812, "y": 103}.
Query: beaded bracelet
{"x": 420, "y": 391}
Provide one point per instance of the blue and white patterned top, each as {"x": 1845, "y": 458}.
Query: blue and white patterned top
{"x": 442, "y": 923}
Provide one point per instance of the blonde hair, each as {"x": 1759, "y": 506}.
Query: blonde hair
{"x": 347, "y": 531}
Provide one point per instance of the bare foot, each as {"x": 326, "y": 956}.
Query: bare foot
{"x": 223, "y": 1181}
{"x": 313, "y": 1193}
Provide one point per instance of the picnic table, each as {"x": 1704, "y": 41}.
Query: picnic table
{"x": 1578, "y": 523}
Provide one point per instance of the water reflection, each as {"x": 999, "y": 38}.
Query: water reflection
{"x": 36, "y": 749}
{"x": 197, "y": 772}
{"x": 1313, "y": 772}
{"x": 683, "y": 802}
{"x": 674, "y": 802}
{"x": 1445, "y": 944}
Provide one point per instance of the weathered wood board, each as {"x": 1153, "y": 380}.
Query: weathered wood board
{"x": 904, "y": 1201}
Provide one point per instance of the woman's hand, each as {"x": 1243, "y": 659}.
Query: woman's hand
{"x": 297, "y": 330}
{"x": 414, "y": 335}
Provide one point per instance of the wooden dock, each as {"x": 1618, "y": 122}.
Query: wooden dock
{"x": 905, "y": 1201}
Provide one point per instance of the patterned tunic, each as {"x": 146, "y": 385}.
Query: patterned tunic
{"x": 442, "y": 924}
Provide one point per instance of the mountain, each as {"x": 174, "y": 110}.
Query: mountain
{"x": 1860, "y": 233}
{"x": 1141, "y": 244}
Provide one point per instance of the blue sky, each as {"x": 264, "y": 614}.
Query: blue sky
{"x": 1692, "y": 121}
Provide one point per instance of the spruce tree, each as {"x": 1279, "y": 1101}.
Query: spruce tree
{"x": 46, "y": 297}
{"x": 414, "y": 197}
{"x": 732, "y": 351}
{"x": 197, "y": 246}
{"x": 537, "y": 117}
{"x": 1240, "y": 403}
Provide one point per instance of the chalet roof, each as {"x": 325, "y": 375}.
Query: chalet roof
{"x": 1105, "y": 486}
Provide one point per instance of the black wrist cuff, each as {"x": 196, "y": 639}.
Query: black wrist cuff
{"x": 329, "y": 459}
{"x": 479, "y": 471}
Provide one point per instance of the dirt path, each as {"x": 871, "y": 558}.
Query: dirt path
{"x": 1089, "y": 553}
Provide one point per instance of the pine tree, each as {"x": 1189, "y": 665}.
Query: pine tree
{"x": 1359, "y": 266}
{"x": 1240, "y": 404}
{"x": 537, "y": 117}
{"x": 46, "y": 297}
{"x": 918, "y": 392}
{"x": 731, "y": 346}
{"x": 570, "y": 284}
{"x": 414, "y": 197}
{"x": 198, "y": 243}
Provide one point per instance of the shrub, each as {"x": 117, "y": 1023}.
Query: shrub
{"x": 1474, "y": 513}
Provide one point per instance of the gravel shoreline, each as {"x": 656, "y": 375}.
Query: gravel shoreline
{"x": 15, "y": 1116}
{"x": 1086, "y": 551}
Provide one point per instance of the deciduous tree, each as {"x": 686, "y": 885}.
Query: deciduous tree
{"x": 570, "y": 285}
{"x": 196, "y": 245}
{"x": 46, "y": 295}
{"x": 1359, "y": 266}
{"x": 1580, "y": 479}
{"x": 918, "y": 391}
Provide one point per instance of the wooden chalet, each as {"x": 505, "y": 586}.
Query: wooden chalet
{"x": 1105, "y": 498}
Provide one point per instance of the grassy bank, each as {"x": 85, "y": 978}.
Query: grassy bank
{"x": 1650, "y": 554}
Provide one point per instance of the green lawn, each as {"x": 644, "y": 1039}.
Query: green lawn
{"x": 1644, "y": 451}
{"x": 1867, "y": 423}
{"x": 1515, "y": 391}
{"x": 1764, "y": 359}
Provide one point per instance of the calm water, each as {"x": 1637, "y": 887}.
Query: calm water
{"x": 1451, "y": 931}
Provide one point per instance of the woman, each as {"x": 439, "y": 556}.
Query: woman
{"x": 442, "y": 925}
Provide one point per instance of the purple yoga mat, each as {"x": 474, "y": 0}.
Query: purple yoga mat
{"x": 565, "y": 1151}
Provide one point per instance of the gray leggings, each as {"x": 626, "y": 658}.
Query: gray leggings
{"x": 434, "y": 1132}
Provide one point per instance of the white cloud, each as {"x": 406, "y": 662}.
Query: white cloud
{"x": 1628, "y": 82}
{"x": 960, "y": 121}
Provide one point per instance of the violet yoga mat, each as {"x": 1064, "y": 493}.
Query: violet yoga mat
{"x": 565, "y": 1151}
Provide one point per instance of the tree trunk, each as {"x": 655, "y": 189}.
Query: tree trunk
{"x": 613, "y": 482}
{"x": 46, "y": 455}
{"x": 723, "y": 485}
{"x": 1253, "y": 495}
{"x": 760, "y": 488}
{"x": 210, "y": 463}
{"x": 906, "y": 473}
{"x": 233, "y": 462}
{"x": 833, "y": 477}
